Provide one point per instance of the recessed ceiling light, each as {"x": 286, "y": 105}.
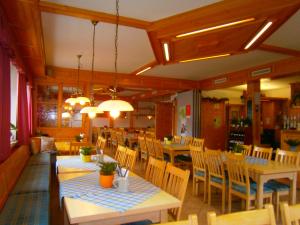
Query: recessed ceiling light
{"x": 144, "y": 70}
{"x": 263, "y": 30}
{"x": 166, "y": 51}
{"x": 216, "y": 27}
{"x": 202, "y": 58}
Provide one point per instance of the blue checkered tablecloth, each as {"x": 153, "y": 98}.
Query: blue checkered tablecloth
{"x": 87, "y": 188}
{"x": 77, "y": 163}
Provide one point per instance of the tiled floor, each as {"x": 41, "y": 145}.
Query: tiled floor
{"x": 192, "y": 204}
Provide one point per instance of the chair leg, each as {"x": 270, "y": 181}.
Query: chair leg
{"x": 209, "y": 194}
{"x": 229, "y": 202}
{"x": 204, "y": 191}
{"x": 194, "y": 185}
{"x": 277, "y": 201}
{"x": 223, "y": 199}
{"x": 248, "y": 202}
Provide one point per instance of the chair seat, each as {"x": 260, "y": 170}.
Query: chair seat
{"x": 183, "y": 158}
{"x": 217, "y": 180}
{"x": 277, "y": 186}
{"x": 143, "y": 222}
{"x": 253, "y": 186}
{"x": 40, "y": 159}
{"x": 242, "y": 189}
{"x": 199, "y": 173}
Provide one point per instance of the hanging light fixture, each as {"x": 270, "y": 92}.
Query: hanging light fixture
{"x": 72, "y": 100}
{"x": 92, "y": 110}
{"x": 115, "y": 106}
{"x": 80, "y": 98}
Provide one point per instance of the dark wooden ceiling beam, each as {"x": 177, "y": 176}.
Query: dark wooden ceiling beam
{"x": 276, "y": 49}
{"x": 91, "y": 15}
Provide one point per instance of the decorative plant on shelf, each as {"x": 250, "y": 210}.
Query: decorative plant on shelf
{"x": 85, "y": 153}
{"x": 247, "y": 122}
{"x": 237, "y": 148}
{"x": 107, "y": 170}
{"x": 79, "y": 137}
{"x": 293, "y": 143}
{"x": 234, "y": 122}
{"x": 13, "y": 130}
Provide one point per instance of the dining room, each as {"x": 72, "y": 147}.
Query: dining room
{"x": 149, "y": 112}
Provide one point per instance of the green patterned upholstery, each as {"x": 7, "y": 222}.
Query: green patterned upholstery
{"x": 26, "y": 209}
{"x": 40, "y": 159}
{"x": 33, "y": 179}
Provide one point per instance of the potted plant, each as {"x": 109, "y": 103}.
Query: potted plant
{"x": 106, "y": 175}
{"x": 237, "y": 149}
{"x": 293, "y": 143}
{"x": 13, "y": 130}
{"x": 234, "y": 122}
{"x": 85, "y": 153}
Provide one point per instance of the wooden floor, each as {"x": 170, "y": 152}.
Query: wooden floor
{"x": 192, "y": 204}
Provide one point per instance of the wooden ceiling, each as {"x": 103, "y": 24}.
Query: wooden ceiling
{"x": 24, "y": 17}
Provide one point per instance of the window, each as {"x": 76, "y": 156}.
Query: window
{"x": 14, "y": 80}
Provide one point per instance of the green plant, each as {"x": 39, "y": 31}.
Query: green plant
{"x": 13, "y": 127}
{"x": 107, "y": 168}
{"x": 234, "y": 121}
{"x": 247, "y": 121}
{"x": 169, "y": 137}
{"x": 292, "y": 142}
{"x": 78, "y": 138}
{"x": 237, "y": 148}
{"x": 86, "y": 150}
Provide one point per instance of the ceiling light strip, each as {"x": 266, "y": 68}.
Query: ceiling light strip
{"x": 203, "y": 58}
{"x": 216, "y": 27}
{"x": 166, "y": 51}
{"x": 144, "y": 70}
{"x": 263, "y": 30}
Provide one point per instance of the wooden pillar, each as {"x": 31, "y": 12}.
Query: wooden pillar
{"x": 163, "y": 119}
{"x": 131, "y": 122}
{"x": 253, "y": 93}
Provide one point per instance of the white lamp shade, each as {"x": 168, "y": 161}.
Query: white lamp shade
{"x": 82, "y": 100}
{"x": 114, "y": 113}
{"x": 91, "y": 109}
{"x": 71, "y": 101}
{"x": 118, "y": 105}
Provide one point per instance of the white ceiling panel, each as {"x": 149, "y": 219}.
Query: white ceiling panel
{"x": 149, "y": 10}
{"x": 65, "y": 37}
{"x": 199, "y": 70}
{"x": 288, "y": 35}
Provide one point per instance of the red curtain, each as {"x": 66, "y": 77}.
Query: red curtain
{"x": 29, "y": 101}
{"x": 4, "y": 104}
{"x": 22, "y": 121}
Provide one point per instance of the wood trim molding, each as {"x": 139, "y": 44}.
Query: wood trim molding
{"x": 91, "y": 15}
{"x": 276, "y": 49}
{"x": 281, "y": 68}
{"x": 151, "y": 64}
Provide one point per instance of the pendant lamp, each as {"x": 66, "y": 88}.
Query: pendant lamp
{"x": 92, "y": 110}
{"x": 82, "y": 100}
{"x": 115, "y": 106}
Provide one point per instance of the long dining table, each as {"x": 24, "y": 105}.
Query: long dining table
{"x": 85, "y": 202}
{"x": 175, "y": 149}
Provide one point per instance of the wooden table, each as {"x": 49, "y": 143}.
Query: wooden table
{"x": 175, "y": 149}
{"x": 261, "y": 173}
{"x": 81, "y": 212}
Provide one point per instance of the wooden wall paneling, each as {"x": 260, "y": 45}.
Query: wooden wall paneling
{"x": 268, "y": 114}
{"x": 163, "y": 119}
{"x": 213, "y": 125}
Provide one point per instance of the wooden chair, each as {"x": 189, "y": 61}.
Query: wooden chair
{"x": 212, "y": 150}
{"x": 239, "y": 182}
{"x": 150, "y": 147}
{"x": 247, "y": 150}
{"x": 114, "y": 140}
{"x": 63, "y": 147}
{"x": 216, "y": 174}
{"x": 143, "y": 150}
{"x": 290, "y": 215}
{"x": 130, "y": 159}
{"x": 192, "y": 220}
{"x": 187, "y": 140}
{"x": 199, "y": 170}
{"x": 100, "y": 144}
{"x": 281, "y": 189}
{"x": 120, "y": 138}
{"x": 263, "y": 153}
{"x": 175, "y": 182}
{"x": 199, "y": 142}
{"x": 120, "y": 155}
{"x": 155, "y": 171}
{"x": 75, "y": 146}
{"x": 254, "y": 217}
{"x": 176, "y": 139}
{"x": 159, "y": 150}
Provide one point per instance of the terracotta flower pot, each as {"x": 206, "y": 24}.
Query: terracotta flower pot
{"x": 85, "y": 158}
{"x": 106, "y": 181}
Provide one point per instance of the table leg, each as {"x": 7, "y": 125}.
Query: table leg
{"x": 172, "y": 157}
{"x": 293, "y": 188}
{"x": 259, "y": 194}
{"x": 164, "y": 216}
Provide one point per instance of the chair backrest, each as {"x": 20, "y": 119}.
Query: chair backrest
{"x": 159, "y": 150}
{"x": 177, "y": 139}
{"x": 287, "y": 157}
{"x": 247, "y": 150}
{"x": 251, "y": 217}
{"x": 198, "y": 142}
{"x": 187, "y": 140}
{"x": 192, "y": 220}
{"x": 120, "y": 138}
{"x": 215, "y": 164}
{"x": 198, "y": 159}
{"x": 150, "y": 147}
{"x": 212, "y": 150}
{"x": 120, "y": 155}
{"x": 155, "y": 171}
{"x": 238, "y": 173}
{"x": 290, "y": 214}
{"x": 142, "y": 145}
{"x": 100, "y": 144}
{"x": 263, "y": 153}
{"x": 175, "y": 183}
{"x": 130, "y": 159}
{"x": 75, "y": 146}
